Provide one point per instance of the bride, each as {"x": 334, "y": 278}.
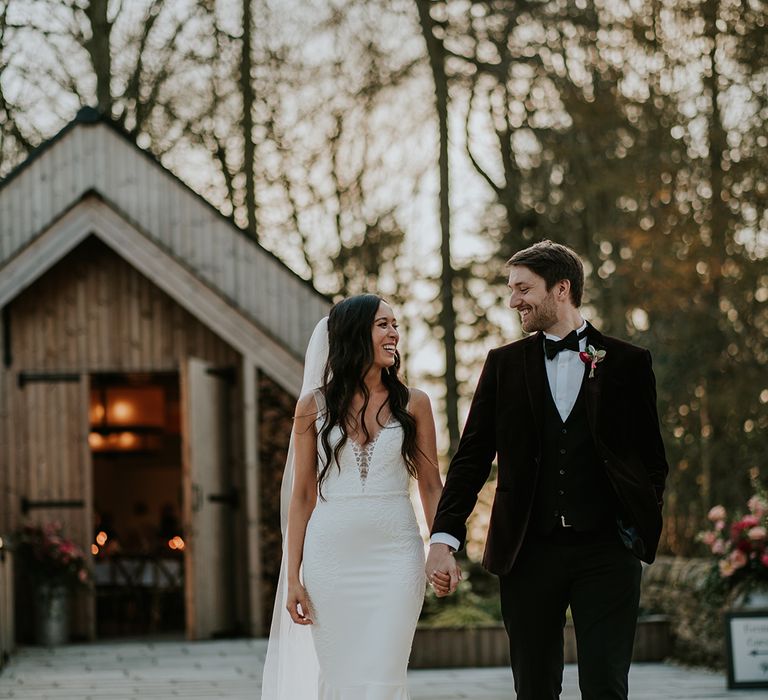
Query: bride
{"x": 353, "y": 561}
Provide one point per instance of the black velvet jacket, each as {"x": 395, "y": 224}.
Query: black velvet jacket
{"x": 505, "y": 423}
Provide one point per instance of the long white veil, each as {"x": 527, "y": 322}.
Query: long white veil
{"x": 291, "y": 668}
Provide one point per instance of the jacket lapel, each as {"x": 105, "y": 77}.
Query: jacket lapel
{"x": 535, "y": 379}
{"x": 592, "y": 387}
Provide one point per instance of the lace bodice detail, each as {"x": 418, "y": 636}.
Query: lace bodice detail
{"x": 374, "y": 468}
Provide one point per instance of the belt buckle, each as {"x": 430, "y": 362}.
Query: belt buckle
{"x": 563, "y": 523}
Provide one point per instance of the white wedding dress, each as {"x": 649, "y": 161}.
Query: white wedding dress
{"x": 363, "y": 570}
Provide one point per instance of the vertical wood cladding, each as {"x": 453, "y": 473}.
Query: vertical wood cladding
{"x": 91, "y": 313}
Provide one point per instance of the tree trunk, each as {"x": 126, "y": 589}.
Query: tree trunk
{"x": 717, "y": 255}
{"x": 718, "y": 214}
{"x": 246, "y": 88}
{"x": 98, "y": 49}
{"x": 447, "y": 316}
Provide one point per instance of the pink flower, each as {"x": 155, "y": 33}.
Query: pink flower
{"x": 738, "y": 559}
{"x": 757, "y": 506}
{"x": 718, "y": 547}
{"x": 757, "y": 533}
{"x": 764, "y": 560}
{"x": 52, "y": 528}
{"x": 708, "y": 538}
{"x": 726, "y": 568}
{"x": 716, "y": 513}
{"x": 740, "y": 526}
{"x": 49, "y": 555}
{"x": 720, "y": 525}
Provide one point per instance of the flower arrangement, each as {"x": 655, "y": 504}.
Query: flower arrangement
{"x": 48, "y": 557}
{"x": 741, "y": 546}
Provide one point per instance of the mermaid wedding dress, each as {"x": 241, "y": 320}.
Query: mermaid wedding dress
{"x": 363, "y": 569}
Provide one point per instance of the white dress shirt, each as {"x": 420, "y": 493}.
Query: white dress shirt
{"x": 565, "y": 373}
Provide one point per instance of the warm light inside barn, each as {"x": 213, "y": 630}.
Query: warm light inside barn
{"x": 126, "y": 418}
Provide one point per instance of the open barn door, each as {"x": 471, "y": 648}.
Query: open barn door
{"x": 209, "y": 500}
{"x": 53, "y": 461}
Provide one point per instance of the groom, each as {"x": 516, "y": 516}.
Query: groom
{"x": 570, "y": 416}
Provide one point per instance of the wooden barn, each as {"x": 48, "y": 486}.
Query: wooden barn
{"x": 151, "y": 356}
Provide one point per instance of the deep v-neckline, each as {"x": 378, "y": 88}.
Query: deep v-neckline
{"x": 375, "y": 439}
{"x": 364, "y": 453}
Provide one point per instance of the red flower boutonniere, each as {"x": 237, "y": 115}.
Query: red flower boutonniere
{"x": 591, "y": 356}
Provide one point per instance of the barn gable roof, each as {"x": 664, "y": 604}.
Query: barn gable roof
{"x": 93, "y": 174}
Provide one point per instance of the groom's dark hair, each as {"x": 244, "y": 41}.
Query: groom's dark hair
{"x": 553, "y": 262}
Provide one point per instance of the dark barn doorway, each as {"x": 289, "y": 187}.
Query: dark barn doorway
{"x": 138, "y": 539}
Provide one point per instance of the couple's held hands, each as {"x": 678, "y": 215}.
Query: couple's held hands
{"x": 443, "y": 573}
{"x": 298, "y": 604}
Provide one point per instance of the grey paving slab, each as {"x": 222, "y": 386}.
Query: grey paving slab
{"x": 232, "y": 669}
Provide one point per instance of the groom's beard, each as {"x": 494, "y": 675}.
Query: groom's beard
{"x": 540, "y": 317}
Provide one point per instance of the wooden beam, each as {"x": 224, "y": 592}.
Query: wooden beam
{"x": 252, "y": 497}
{"x": 43, "y": 253}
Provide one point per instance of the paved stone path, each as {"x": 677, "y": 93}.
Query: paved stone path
{"x": 232, "y": 669}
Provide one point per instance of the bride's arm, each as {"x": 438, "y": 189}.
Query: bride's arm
{"x": 303, "y": 499}
{"x": 429, "y": 481}
{"x": 445, "y": 578}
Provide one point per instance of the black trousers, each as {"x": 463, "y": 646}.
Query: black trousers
{"x": 600, "y": 579}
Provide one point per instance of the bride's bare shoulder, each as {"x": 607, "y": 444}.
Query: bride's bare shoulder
{"x": 418, "y": 401}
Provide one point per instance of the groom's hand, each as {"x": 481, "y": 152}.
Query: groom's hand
{"x": 442, "y": 570}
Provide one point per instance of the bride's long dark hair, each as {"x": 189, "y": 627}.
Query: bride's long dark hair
{"x": 350, "y": 356}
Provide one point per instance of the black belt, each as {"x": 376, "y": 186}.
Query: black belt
{"x": 570, "y": 535}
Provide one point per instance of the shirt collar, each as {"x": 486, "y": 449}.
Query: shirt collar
{"x": 581, "y": 328}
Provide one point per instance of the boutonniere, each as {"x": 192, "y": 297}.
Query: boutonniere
{"x": 592, "y": 356}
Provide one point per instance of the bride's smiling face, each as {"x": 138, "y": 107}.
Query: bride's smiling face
{"x": 384, "y": 336}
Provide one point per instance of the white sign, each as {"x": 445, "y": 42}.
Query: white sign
{"x": 748, "y": 649}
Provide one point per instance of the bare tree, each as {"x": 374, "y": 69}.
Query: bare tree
{"x": 432, "y": 33}
{"x": 246, "y": 89}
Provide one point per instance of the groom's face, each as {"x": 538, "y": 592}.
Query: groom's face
{"x": 530, "y": 298}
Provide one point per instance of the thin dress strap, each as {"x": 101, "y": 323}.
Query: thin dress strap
{"x": 320, "y": 404}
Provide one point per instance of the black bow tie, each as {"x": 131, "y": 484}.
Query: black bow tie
{"x": 570, "y": 342}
